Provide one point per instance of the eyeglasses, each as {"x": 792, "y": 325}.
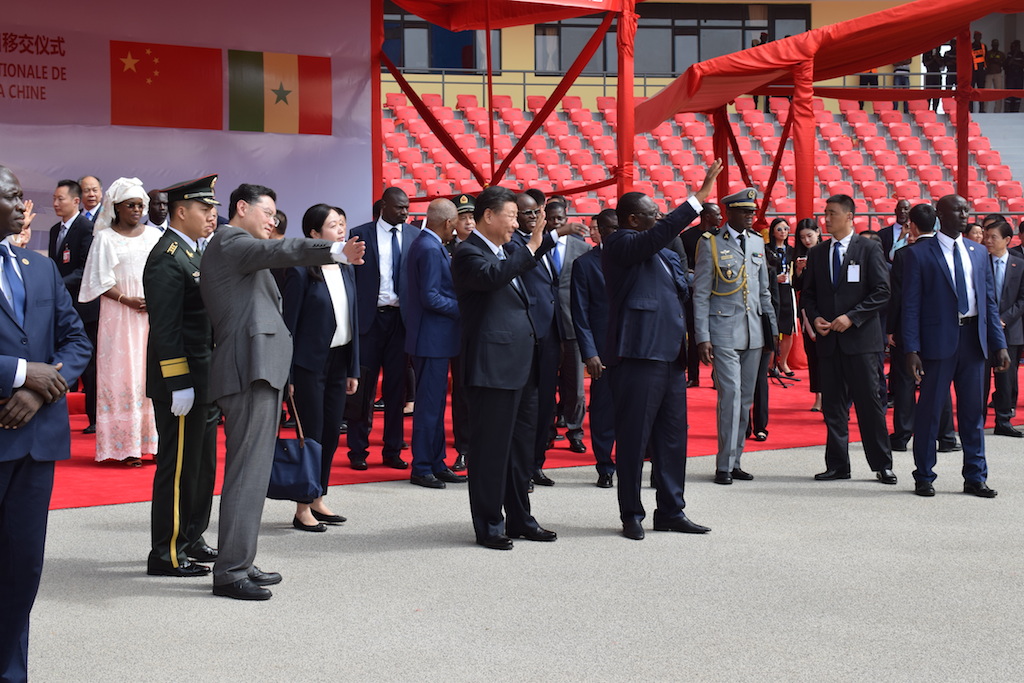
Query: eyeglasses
{"x": 137, "y": 206}
{"x": 532, "y": 213}
{"x": 269, "y": 214}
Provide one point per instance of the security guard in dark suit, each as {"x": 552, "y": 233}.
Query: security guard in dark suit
{"x": 177, "y": 375}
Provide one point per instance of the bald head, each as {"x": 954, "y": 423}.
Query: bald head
{"x": 441, "y": 216}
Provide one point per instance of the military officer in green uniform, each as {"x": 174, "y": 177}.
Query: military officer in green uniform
{"x": 177, "y": 373}
{"x": 732, "y": 306}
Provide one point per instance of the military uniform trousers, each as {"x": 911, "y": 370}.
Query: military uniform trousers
{"x": 186, "y": 466}
{"x": 735, "y": 375}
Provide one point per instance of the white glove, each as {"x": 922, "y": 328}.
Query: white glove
{"x": 182, "y": 401}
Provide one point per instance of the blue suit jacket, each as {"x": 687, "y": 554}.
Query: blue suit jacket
{"x": 930, "y": 325}
{"x": 52, "y": 333}
{"x": 588, "y": 302}
{"x": 645, "y": 314}
{"x": 309, "y": 315}
{"x": 368, "y": 274}
{"x": 429, "y": 307}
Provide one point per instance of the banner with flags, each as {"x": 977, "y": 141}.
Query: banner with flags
{"x": 279, "y": 93}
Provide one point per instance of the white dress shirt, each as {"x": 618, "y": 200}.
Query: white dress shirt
{"x": 948, "y": 244}
{"x": 842, "y": 245}
{"x": 386, "y": 295}
{"x": 339, "y": 301}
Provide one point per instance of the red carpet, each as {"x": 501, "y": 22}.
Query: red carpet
{"x": 82, "y": 482}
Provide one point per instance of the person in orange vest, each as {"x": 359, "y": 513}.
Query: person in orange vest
{"x": 979, "y": 60}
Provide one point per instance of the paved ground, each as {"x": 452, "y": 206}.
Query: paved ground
{"x": 799, "y": 580}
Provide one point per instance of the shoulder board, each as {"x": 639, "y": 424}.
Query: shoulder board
{"x": 172, "y": 248}
{"x": 707, "y": 235}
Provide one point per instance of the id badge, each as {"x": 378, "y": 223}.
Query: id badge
{"x": 853, "y": 272}
{"x": 66, "y": 256}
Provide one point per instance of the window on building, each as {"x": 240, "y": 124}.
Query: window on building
{"x": 416, "y": 45}
{"x": 670, "y": 36}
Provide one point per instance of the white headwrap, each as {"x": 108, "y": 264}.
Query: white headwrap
{"x": 120, "y": 190}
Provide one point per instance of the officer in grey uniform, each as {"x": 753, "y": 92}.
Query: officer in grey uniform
{"x": 732, "y": 309}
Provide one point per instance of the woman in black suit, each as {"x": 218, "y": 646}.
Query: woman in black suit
{"x": 808, "y": 234}
{"x": 778, "y": 236}
{"x": 320, "y": 312}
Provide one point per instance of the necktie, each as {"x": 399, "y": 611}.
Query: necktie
{"x": 396, "y": 257}
{"x": 63, "y": 233}
{"x": 742, "y": 240}
{"x": 556, "y": 261}
{"x": 998, "y": 263}
{"x": 837, "y": 264}
{"x": 13, "y": 286}
{"x": 960, "y": 281}
{"x": 88, "y": 214}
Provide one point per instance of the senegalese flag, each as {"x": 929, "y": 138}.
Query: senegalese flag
{"x": 278, "y": 93}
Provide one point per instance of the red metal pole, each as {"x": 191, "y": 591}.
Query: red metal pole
{"x": 964, "y": 90}
{"x": 802, "y": 112}
{"x": 625, "y": 38}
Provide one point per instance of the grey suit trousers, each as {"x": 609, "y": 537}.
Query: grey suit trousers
{"x": 570, "y": 388}
{"x": 735, "y": 377}
{"x": 250, "y": 430}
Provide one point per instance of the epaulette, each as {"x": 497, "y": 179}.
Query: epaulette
{"x": 172, "y": 248}
{"x": 707, "y": 235}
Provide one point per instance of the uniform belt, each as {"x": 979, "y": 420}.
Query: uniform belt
{"x": 968, "y": 320}
{"x": 386, "y": 309}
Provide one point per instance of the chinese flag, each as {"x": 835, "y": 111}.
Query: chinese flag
{"x": 170, "y": 86}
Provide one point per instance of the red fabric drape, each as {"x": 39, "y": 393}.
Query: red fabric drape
{"x": 964, "y": 71}
{"x": 625, "y": 39}
{"x": 804, "y": 135}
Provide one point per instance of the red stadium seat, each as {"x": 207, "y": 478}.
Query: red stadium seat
{"x": 466, "y": 101}
{"x": 930, "y": 173}
{"x": 481, "y": 158}
{"x": 874, "y": 144}
{"x": 602, "y": 143}
{"x": 580, "y": 157}
{"x": 641, "y": 142}
{"x": 873, "y": 190}
{"x": 695, "y": 130}
{"x": 778, "y": 106}
{"x": 593, "y": 174}
{"x": 978, "y": 188}
{"x": 979, "y": 144}
{"x": 745, "y": 104}
{"x": 818, "y": 104}
{"x": 846, "y": 106}
{"x": 919, "y": 157}
{"x": 997, "y": 173}
{"x": 1009, "y": 190}
{"x": 785, "y": 205}
{"x": 556, "y": 128}
{"x": 940, "y": 188}
{"x": 865, "y": 130}
{"x": 501, "y": 102}
{"x": 568, "y": 143}
{"x": 830, "y": 130}
{"x": 670, "y": 144}
{"x": 899, "y": 129}
{"x": 908, "y": 144}
{"x": 611, "y": 117}
{"x": 410, "y": 155}
{"x": 675, "y": 192}
{"x": 559, "y": 175}
{"x": 924, "y": 116}
{"x": 752, "y": 117}
{"x": 648, "y": 157}
{"x": 570, "y": 102}
{"x": 884, "y": 205}
{"x": 645, "y": 187}
{"x": 933, "y": 130}
{"x": 822, "y": 117}
{"x": 396, "y": 141}
{"x": 471, "y": 186}
{"x": 663, "y": 129}
{"x": 684, "y": 117}
{"x": 840, "y": 187}
{"x": 606, "y": 103}
{"x": 986, "y": 205}
{"x": 885, "y": 157}
{"x": 681, "y": 158}
{"x": 989, "y": 158}
{"x": 856, "y": 116}
{"x": 581, "y": 116}
{"x": 395, "y": 99}
{"x": 410, "y": 187}
{"x": 457, "y": 172}
{"x": 751, "y": 158}
{"x": 823, "y": 158}
{"x": 438, "y": 188}
{"x": 840, "y": 143}
{"x": 1016, "y": 206}
{"x": 862, "y": 174}
{"x": 526, "y": 173}
{"x": 662, "y": 174}
{"x": 586, "y": 206}
{"x": 829, "y": 174}
{"x": 592, "y": 129}
{"x": 907, "y": 189}
{"x": 391, "y": 172}
{"x": 851, "y": 159}
{"x": 417, "y": 126}
{"x": 387, "y": 126}
{"x": 535, "y": 102}
{"x": 895, "y": 174}
{"x": 882, "y": 105}
{"x": 890, "y": 116}
{"x": 432, "y": 99}
{"x": 763, "y": 130}
{"x": 694, "y": 175}
{"x": 422, "y": 173}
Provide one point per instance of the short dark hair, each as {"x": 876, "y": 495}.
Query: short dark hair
{"x": 607, "y": 219}
{"x": 314, "y": 218}
{"x": 494, "y": 198}
{"x": 559, "y": 199}
{"x": 994, "y": 217}
{"x": 376, "y": 209}
{"x": 871, "y": 235}
{"x": 629, "y": 204}
{"x": 923, "y": 216}
{"x": 74, "y": 188}
{"x": 250, "y": 194}
{"x": 537, "y": 196}
{"x": 282, "y": 222}
{"x": 843, "y": 200}
{"x": 1005, "y": 231}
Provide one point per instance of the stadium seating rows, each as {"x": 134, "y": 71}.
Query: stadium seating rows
{"x": 876, "y": 157}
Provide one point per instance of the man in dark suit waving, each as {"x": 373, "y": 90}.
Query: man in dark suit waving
{"x": 846, "y": 285}
{"x": 499, "y": 362}
{"x": 69, "y": 244}
{"x": 381, "y": 330}
{"x": 951, "y": 326}
{"x": 431, "y": 314}
{"x": 43, "y": 348}
{"x": 646, "y": 355}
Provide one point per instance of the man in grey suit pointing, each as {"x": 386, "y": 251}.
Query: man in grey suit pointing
{"x": 731, "y": 306}
{"x": 251, "y": 360}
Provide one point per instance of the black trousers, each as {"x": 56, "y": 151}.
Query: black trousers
{"x": 846, "y": 377}
{"x": 759, "y": 410}
{"x": 89, "y": 375}
{"x": 320, "y": 403}
{"x": 549, "y": 354}
{"x": 382, "y": 348}
{"x": 1003, "y": 401}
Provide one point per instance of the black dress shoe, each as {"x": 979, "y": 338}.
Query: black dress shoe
{"x": 689, "y": 385}
{"x": 343, "y": 429}
{"x": 924, "y": 488}
{"x": 460, "y": 463}
{"x": 262, "y": 578}
{"x": 450, "y": 477}
{"x": 542, "y": 479}
{"x": 328, "y": 519}
{"x": 396, "y": 463}
{"x": 979, "y": 489}
{"x": 682, "y": 524}
{"x": 949, "y": 448}
{"x": 243, "y": 589}
{"x": 529, "y": 489}
{"x": 741, "y": 475}
{"x": 500, "y": 542}
{"x": 604, "y": 481}
{"x": 378, "y": 404}
{"x": 1007, "y": 430}
{"x": 576, "y": 445}
{"x": 886, "y": 476}
{"x": 829, "y": 475}
{"x": 319, "y": 526}
{"x": 538, "y": 534}
{"x": 204, "y": 553}
{"x": 357, "y": 463}
{"x": 184, "y": 570}
{"x": 560, "y": 422}
{"x": 723, "y": 478}
{"x": 91, "y": 429}
{"x": 427, "y": 481}
{"x": 633, "y": 530}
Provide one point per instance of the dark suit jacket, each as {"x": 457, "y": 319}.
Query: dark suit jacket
{"x": 887, "y": 236}
{"x": 76, "y": 244}
{"x": 498, "y": 331}
{"x": 429, "y": 307}
{"x": 180, "y": 335}
{"x": 646, "y": 291}
{"x": 589, "y": 302}
{"x": 930, "y": 325}
{"x": 1011, "y": 302}
{"x": 894, "y": 313}
{"x": 52, "y": 333}
{"x": 542, "y": 287}
{"x": 575, "y": 246}
{"x": 309, "y": 315}
{"x": 861, "y": 301}
{"x": 368, "y": 274}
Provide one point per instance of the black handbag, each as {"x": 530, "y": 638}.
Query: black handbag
{"x": 297, "y": 462}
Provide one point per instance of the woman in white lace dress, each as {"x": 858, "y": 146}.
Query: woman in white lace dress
{"x": 125, "y": 429}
